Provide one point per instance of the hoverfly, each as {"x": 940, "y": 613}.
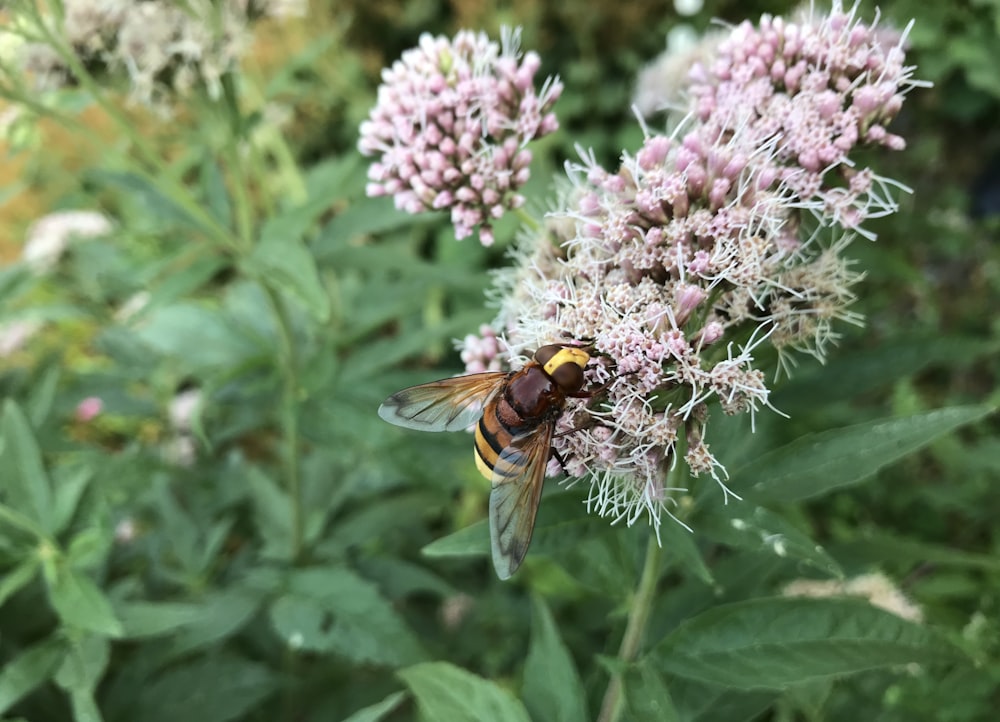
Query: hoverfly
{"x": 515, "y": 414}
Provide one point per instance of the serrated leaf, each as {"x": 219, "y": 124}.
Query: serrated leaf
{"x": 28, "y": 670}
{"x": 26, "y": 484}
{"x": 214, "y": 688}
{"x": 552, "y": 688}
{"x": 773, "y": 643}
{"x": 81, "y": 603}
{"x": 818, "y": 463}
{"x": 763, "y": 530}
{"x": 282, "y": 260}
{"x": 377, "y": 711}
{"x": 334, "y": 610}
{"x": 446, "y": 693}
{"x": 646, "y": 696}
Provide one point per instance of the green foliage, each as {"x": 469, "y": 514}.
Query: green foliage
{"x": 236, "y": 535}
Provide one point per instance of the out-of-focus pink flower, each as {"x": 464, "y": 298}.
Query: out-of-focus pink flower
{"x": 88, "y": 409}
{"x": 450, "y": 128}
{"x": 49, "y": 236}
{"x": 481, "y": 353}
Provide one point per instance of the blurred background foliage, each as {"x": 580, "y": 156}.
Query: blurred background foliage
{"x": 167, "y": 572}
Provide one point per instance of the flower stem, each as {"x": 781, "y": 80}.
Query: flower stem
{"x": 527, "y": 219}
{"x": 635, "y": 629}
{"x": 289, "y": 419}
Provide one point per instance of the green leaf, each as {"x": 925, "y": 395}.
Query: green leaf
{"x": 773, "y": 643}
{"x": 472, "y": 541}
{"x": 377, "y": 711}
{"x": 647, "y": 696}
{"x": 881, "y": 547}
{"x": 221, "y": 614}
{"x": 213, "y": 186}
{"x": 367, "y": 216}
{"x": 282, "y": 260}
{"x": 80, "y": 603}
{"x": 16, "y": 579}
{"x": 766, "y": 531}
{"x": 69, "y": 488}
{"x": 818, "y": 463}
{"x": 214, "y": 688}
{"x": 870, "y": 369}
{"x": 272, "y": 513}
{"x": 680, "y": 544}
{"x": 84, "y": 707}
{"x": 446, "y": 693}
{"x": 699, "y": 702}
{"x": 334, "y": 610}
{"x": 199, "y": 338}
{"x": 26, "y": 484}
{"x": 28, "y": 670}
{"x": 149, "y": 200}
{"x": 84, "y": 664}
{"x": 152, "y": 619}
{"x": 89, "y": 548}
{"x": 552, "y": 688}
{"x": 562, "y": 524}
{"x": 43, "y": 395}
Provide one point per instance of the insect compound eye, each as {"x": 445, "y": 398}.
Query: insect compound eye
{"x": 568, "y": 376}
{"x": 545, "y": 353}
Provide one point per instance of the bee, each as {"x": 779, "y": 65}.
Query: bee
{"x": 515, "y": 414}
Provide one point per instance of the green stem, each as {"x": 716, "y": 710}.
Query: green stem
{"x": 635, "y": 629}
{"x": 527, "y": 219}
{"x": 289, "y": 418}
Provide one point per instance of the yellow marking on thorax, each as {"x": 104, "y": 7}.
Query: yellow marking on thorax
{"x": 566, "y": 356}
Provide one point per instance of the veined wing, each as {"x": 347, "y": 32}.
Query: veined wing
{"x": 446, "y": 405}
{"x": 517, "y": 488}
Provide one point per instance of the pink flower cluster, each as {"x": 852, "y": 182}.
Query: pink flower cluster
{"x": 450, "y": 128}
{"x": 814, "y": 90}
{"x": 703, "y": 246}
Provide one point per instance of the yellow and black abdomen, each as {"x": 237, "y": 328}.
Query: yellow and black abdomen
{"x": 491, "y": 439}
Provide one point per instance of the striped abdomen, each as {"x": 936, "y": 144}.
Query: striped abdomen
{"x": 491, "y": 439}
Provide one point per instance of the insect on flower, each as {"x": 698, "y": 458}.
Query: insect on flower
{"x": 515, "y": 414}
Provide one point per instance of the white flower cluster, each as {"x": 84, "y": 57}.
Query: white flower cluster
{"x": 164, "y": 47}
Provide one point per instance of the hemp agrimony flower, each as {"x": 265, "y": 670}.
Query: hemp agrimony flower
{"x": 164, "y": 48}
{"x": 704, "y": 245}
{"x": 450, "y": 128}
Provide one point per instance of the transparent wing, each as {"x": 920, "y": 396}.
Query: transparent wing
{"x": 446, "y": 405}
{"x": 517, "y": 488}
